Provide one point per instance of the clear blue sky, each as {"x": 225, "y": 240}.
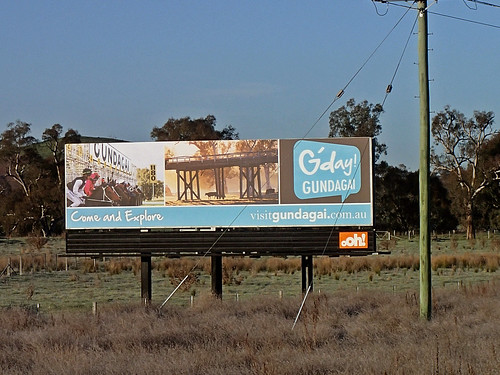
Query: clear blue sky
{"x": 269, "y": 68}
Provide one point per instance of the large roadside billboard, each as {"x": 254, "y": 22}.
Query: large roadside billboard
{"x": 204, "y": 184}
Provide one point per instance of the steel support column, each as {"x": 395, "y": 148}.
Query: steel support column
{"x": 146, "y": 279}
{"x": 217, "y": 276}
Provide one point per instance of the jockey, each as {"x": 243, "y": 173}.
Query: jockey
{"x": 90, "y": 184}
{"x": 75, "y": 189}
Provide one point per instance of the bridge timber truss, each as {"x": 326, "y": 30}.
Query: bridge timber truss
{"x": 249, "y": 164}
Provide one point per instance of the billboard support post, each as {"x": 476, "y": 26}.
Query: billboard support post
{"x": 146, "y": 278}
{"x": 217, "y": 276}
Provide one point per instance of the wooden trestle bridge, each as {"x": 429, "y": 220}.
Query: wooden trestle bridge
{"x": 188, "y": 169}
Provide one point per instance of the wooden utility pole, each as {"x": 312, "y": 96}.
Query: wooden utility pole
{"x": 424, "y": 170}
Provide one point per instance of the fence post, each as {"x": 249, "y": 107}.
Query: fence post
{"x": 20, "y": 265}
{"x": 94, "y": 308}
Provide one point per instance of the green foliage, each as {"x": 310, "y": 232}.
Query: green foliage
{"x": 186, "y": 129}
{"x": 396, "y": 200}
{"x": 143, "y": 180}
{"x": 358, "y": 120}
{"x": 459, "y": 155}
{"x": 487, "y": 214}
{"x": 31, "y": 180}
{"x": 54, "y": 143}
{"x": 19, "y": 157}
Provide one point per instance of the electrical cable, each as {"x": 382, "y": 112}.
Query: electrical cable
{"x": 228, "y": 228}
{"x": 342, "y": 91}
{"x": 389, "y": 87}
{"x": 339, "y": 94}
{"x": 428, "y": 6}
{"x": 325, "y": 247}
{"x": 453, "y": 17}
{"x": 467, "y": 5}
{"x": 204, "y": 255}
{"x": 301, "y": 306}
{"x": 466, "y": 20}
{"x": 482, "y": 3}
{"x": 376, "y": 9}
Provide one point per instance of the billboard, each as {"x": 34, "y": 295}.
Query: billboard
{"x": 206, "y": 184}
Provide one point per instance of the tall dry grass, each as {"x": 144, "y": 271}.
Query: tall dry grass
{"x": 343, "y": 333}
{"x": 176, "y": 269}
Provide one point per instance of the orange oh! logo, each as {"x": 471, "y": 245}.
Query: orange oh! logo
{"x": 353, "y": 240}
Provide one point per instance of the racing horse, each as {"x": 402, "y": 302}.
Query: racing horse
{"x": 103, "y": 195}
{"x": 128, "y": 196}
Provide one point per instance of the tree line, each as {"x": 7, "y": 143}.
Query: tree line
{"x": 465, "y": 185}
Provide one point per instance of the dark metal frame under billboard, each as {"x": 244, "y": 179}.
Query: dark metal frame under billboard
{"x": 216, "y": 243}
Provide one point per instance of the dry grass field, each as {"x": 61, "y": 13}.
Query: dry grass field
{"x": 369, "y": 332}
{"x": 363, "y": 317}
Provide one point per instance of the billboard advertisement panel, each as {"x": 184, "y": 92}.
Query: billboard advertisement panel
{"x": 238, "y": 183}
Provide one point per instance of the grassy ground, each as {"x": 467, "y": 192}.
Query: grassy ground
{"x": 368, "y": 332}
{"x": 75, "y": 284}
{"x": 362, "y": 319}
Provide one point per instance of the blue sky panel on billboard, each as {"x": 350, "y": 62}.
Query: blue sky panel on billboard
{"x": 240, "y": 183}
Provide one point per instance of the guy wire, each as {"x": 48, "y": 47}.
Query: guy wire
{"x": 324, "y": 250}
{"x": 339, "y": 94}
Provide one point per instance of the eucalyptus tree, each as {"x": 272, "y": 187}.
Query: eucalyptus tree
{"x": 458, "y": 156}
{"x": 31, "y": 188}
{"x": 359, "y": 120}
{"x": 54, "y": 141}
{"x": 187, "y": 129}
{"x": 19, "y": 157}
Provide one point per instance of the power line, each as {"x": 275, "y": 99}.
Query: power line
{"x": 389, "y": 88}
{"x": 466, "y": 20}
{"x": 376, "y": 9}
{"x": 341, "y": 92}
{"x": 453, "y": 17}
{"x": 467, "y": 5}
{"x": 483, "y": 3}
